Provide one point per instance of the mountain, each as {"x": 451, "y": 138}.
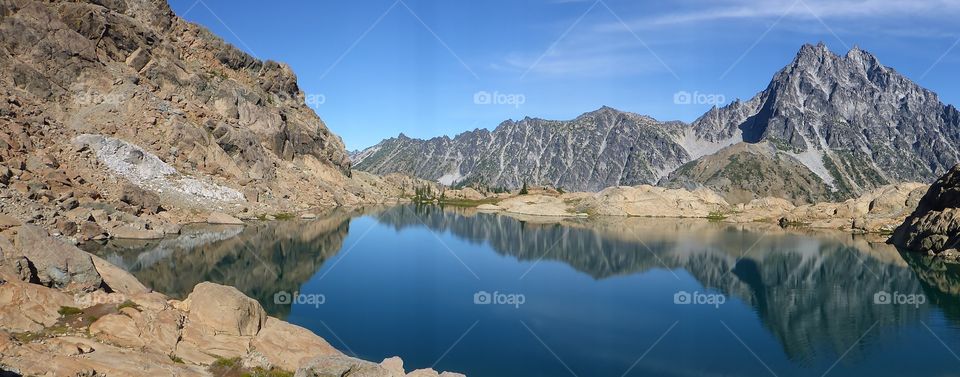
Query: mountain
{"x": 827, "y": 127}
{"x": 853, "y": 122}
{"x": 598, "y": 149}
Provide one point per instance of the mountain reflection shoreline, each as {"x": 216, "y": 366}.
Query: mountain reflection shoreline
{"x": 812, "y": 290}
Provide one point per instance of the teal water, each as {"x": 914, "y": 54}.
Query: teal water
{"x": 608, "y": 297}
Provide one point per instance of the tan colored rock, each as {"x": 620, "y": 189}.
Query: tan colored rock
{"x": 650, "y": 201}
{"x": 393, "y": 366}
{"x": 15, "y": 268}
{"x": 225, "y": 310}
{"x": 155, "y": 330}
{"x": 288, "y": 346}
{"x": 467, "y": 193}
{"x": 489, "y": 207}
{"x": 537, "y": 205}
{"x": 340, "y": 365}
{"x": 76, "y": 356}
{"x": 224, "y": 219}
{"x": 423, "y": 373}
{"x": 7, "y": 221}
{"x": 201, "y": 344}
{"x": 30, "y": 307}
{"x": 117, "y": 279}
{"x": 118, "y": 329}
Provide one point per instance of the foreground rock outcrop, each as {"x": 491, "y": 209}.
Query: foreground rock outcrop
{"x": 934, "y": 227}
{"x": 86, "y": 317}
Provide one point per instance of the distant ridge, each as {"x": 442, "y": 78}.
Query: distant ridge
{"x": 834, "y": 126}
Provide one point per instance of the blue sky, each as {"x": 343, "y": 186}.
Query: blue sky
{"x": 376, "y": 68}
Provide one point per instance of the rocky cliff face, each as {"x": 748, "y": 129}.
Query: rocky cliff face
{"x": 163, "y": 89}
{"x": 132, "y": 68}
{"x": 935, "y": 225}
{"x": 827, "y": 127}
{"x": 598, "y": 149}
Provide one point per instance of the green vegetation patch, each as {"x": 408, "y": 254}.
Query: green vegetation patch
{"x": 69, "y": 310}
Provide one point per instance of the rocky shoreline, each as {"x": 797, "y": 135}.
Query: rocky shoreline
{"x": 878, "y": 211}
{"x": 67, "y": 312}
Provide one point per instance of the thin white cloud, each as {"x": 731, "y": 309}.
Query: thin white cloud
{"x": 771, "y": 9}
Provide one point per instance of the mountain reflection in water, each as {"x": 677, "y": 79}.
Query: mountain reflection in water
{"x": 812, "y": 291}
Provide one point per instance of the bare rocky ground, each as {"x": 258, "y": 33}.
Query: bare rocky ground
{"x": 877, "y": 211}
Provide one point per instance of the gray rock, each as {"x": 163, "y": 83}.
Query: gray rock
{"x": 341, "y": 365}
{"x": 149, "y": 202}
{"x": 58, "y": 264}
{"x": 935, "y": 225}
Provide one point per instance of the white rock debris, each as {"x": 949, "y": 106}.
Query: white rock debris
{"x": 149, "y": 172}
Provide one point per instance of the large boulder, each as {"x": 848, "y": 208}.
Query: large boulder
{"x": 934, "y": 227}
{"x": 58, "y": 264}
{"x": 118, "y": 279}
{"x": 225, "y": 310}
{"x": 148, "y": 202}
{"x": 288, "y": 346}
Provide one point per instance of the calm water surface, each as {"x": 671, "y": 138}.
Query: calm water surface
{"x": 585, "y": 298}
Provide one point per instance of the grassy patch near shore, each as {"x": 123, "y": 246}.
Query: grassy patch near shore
{"x": 716, "y": 216}
{"x": 468, "y": 202}
{"x": 233, "y": 367}
{"x": 69, "y": 310}
{"x": 129, "y": 304}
